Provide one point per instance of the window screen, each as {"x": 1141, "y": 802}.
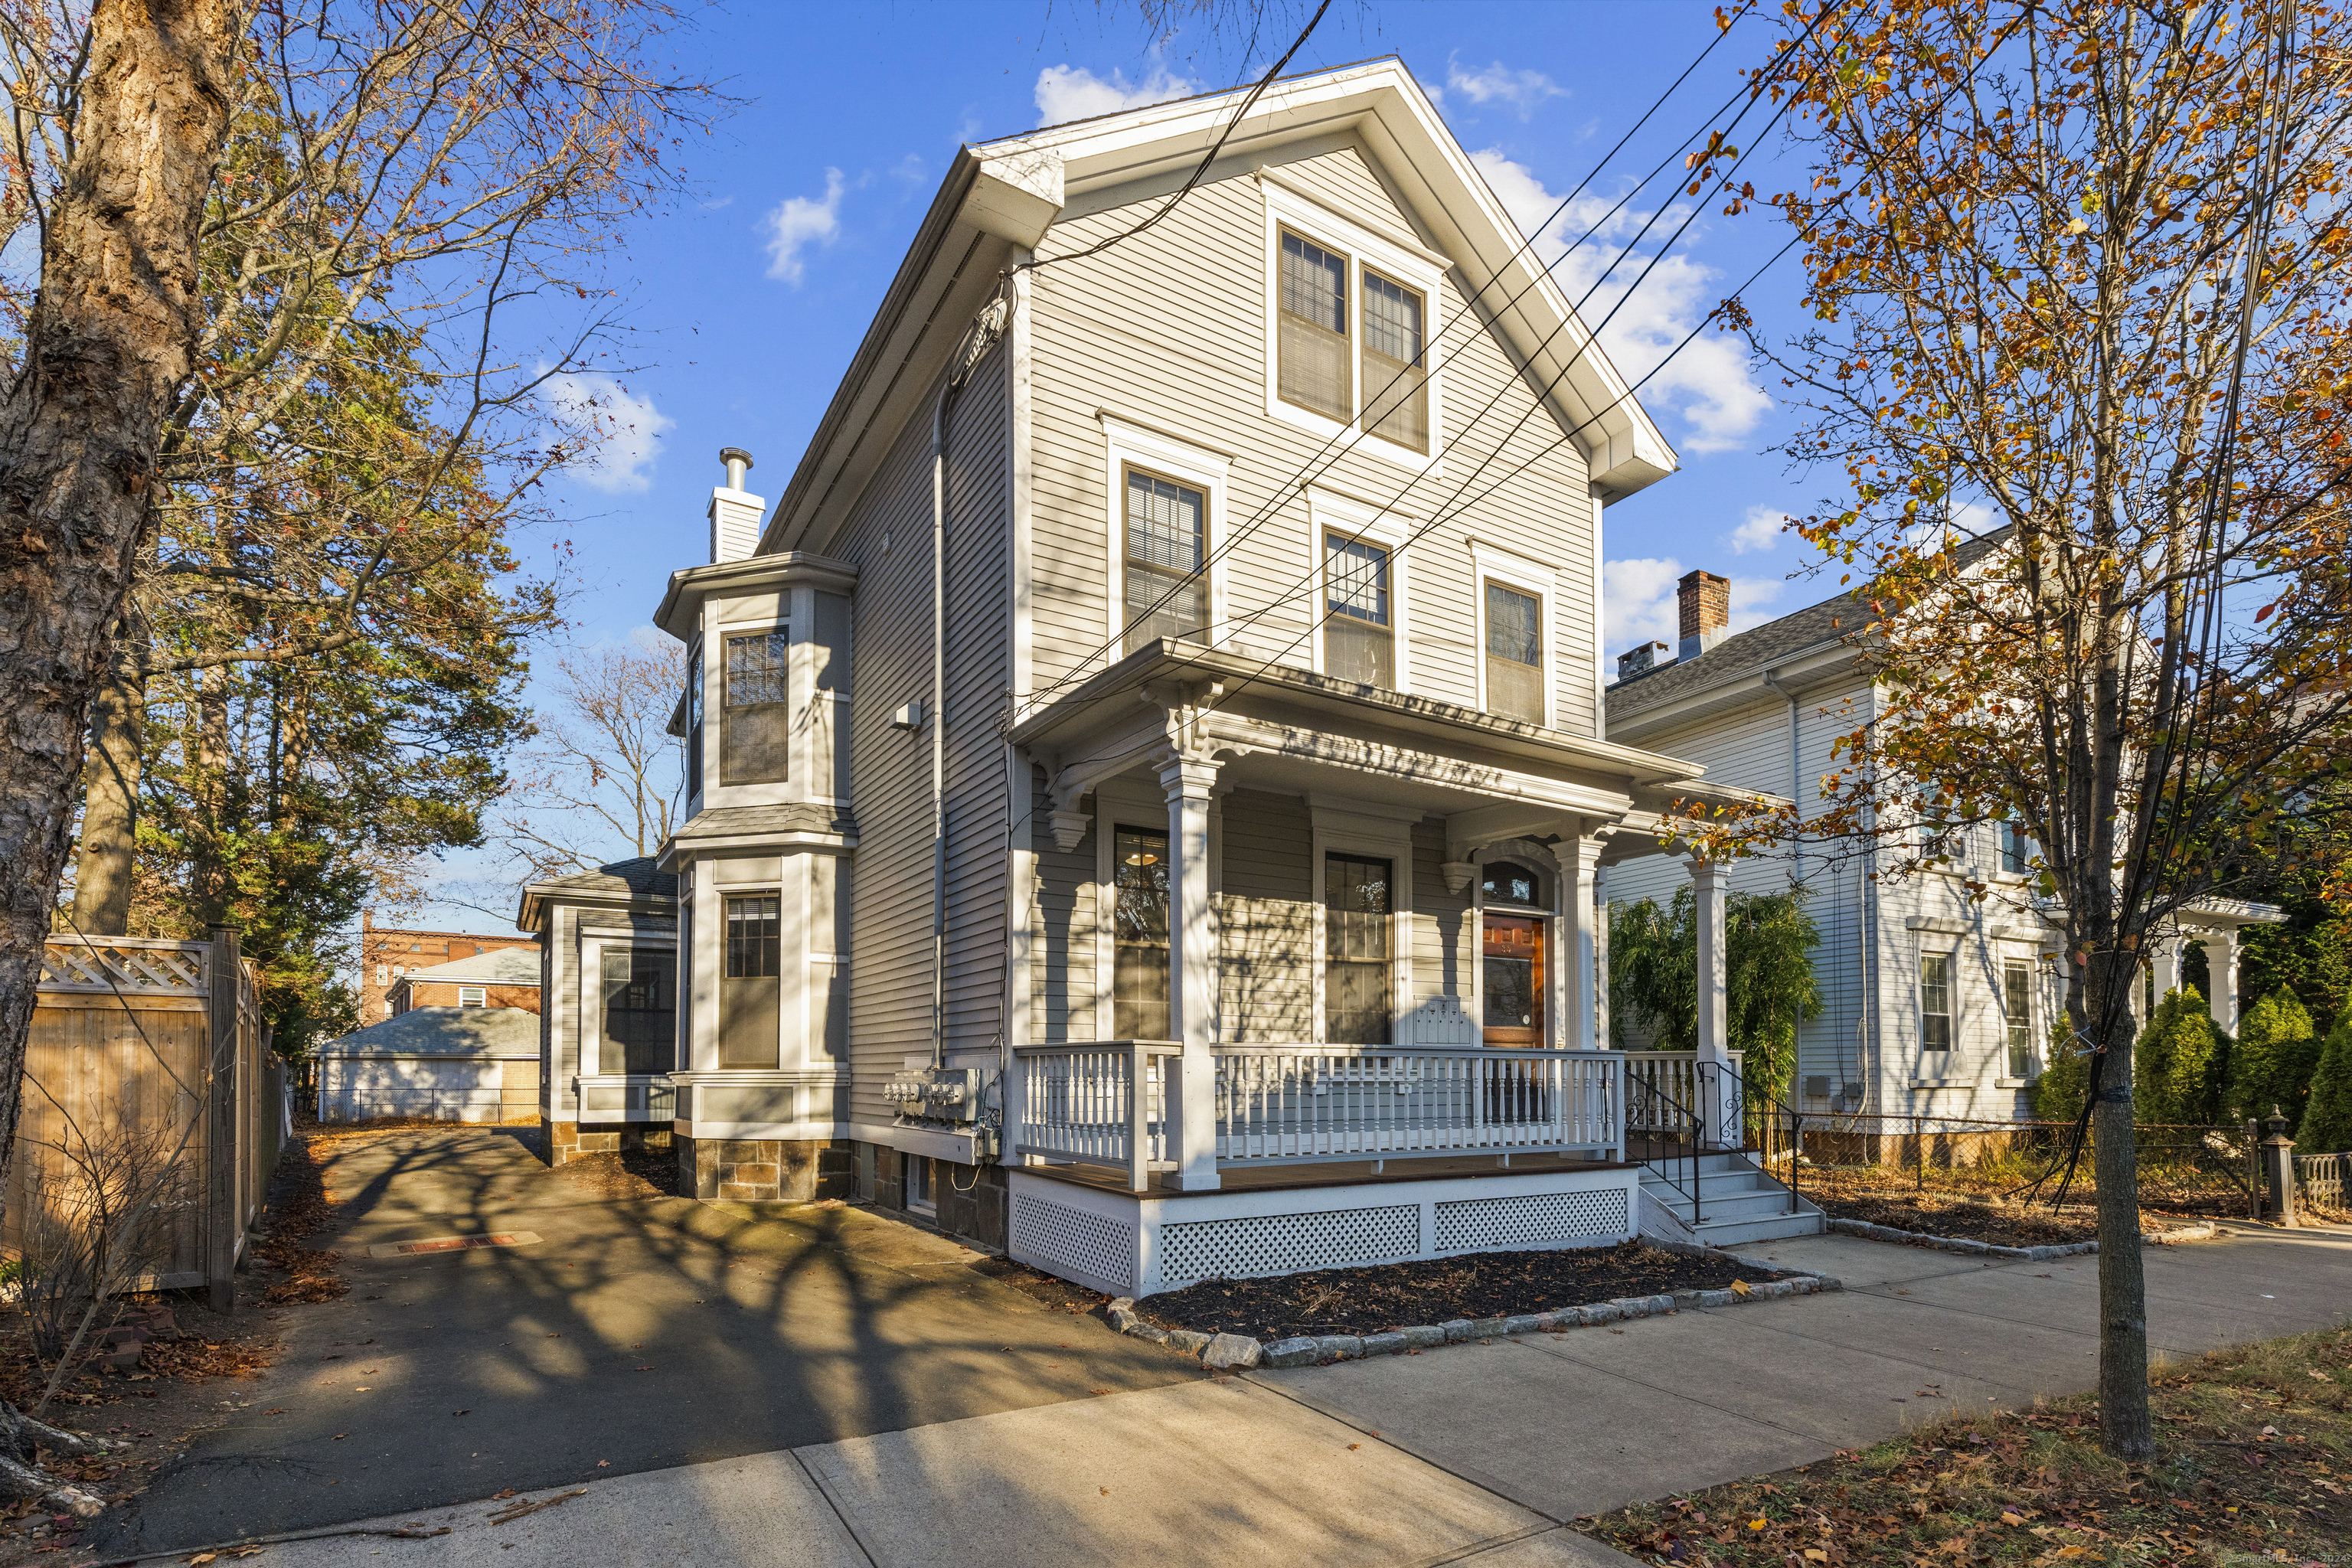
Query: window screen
{"x": 2017, "y": 1001}
{"x": 747, "y": 992}
{"x": 1312, "y": 339}
{"x": 1934, "y": 1002}
{"x": 1514, "y": 686}
{"x": 1139, "y": 935}
{"x": 1396, "y": 373}
{"x": 640, "y": 1009}
{"x": 1357, "y": 992}
{"x": 1167, "y": 528}
{"x": 1359, "y": 642}
{"x": 758, "y": 709}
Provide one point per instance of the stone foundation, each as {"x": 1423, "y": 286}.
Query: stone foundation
{"x": 568, "y": 1141}
{"x": 971, "y": 1201}
{"x": 763, "y": 1170}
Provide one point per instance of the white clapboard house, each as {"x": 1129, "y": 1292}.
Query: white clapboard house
{"x": 1135, "y": 818}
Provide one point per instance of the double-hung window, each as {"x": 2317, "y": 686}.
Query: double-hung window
{"x": 1356, "y": 997}
{"x": 1316, "y": 371}
{"x": 2017, "y": 1002}
{"x": 1396, "y": 371}
{"x": 758, "y": 713}
{"x": 1934, "y": 1002}
{"x": 1515, "y": 662}
{"x": 1165, "y": 586}
{"x": 2016, "y": 849}
{"x": 1358, "y": 631}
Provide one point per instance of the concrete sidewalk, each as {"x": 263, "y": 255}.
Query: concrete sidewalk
{"x": 1475, "y": 1453}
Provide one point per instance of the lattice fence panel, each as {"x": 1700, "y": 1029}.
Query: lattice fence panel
{"x": 131, "y": 967}
{"x": 1286, "y": 1243}
{"x": 1529, "y": 1219}
{"x": 1055, "y": 1233}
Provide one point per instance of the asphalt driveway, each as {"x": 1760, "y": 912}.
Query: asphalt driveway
{"x": 618, "y": 1343}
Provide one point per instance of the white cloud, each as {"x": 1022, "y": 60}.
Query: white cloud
{"x": 1760, "y": 530}
{"x": 1639, "y": 604}
{"x": 1707, "y": 383}
{"x": 1073, "y": 93}
{"x": 800, "y": 222}
{"x": 1522, "y": 90}
{"x": 624, "y": 431}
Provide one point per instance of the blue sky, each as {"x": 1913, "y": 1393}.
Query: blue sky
{"x": 747, "y": 301}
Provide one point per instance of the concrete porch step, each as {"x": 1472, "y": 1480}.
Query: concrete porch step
{"x": 1737, "y": 1201}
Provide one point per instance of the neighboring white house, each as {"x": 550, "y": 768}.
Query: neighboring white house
{"x": 1934, "y": 1004}
{"x": 443, "y": 1064}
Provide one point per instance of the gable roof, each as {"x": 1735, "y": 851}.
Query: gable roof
{"x": 499, "y": 966}
{"x": 445, "y": 1032}
{"x": 1009, "y": 192}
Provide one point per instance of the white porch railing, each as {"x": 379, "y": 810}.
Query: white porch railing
{"x": 1302, "y": 1104}
{"x": 1310, "y": 1104}
{"x": 1078, "y": 1102}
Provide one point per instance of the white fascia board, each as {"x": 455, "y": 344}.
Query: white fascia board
{"x": 1382, "y": 103}
{"x": 1805, "y": 671}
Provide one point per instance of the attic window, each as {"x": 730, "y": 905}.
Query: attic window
{"x": 1314, "y": 348}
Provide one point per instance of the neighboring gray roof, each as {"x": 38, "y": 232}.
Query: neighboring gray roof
{"x": 636, "y": 879}
{"x": 445, "y": 1032}
{"x": 1799, "y": 631}
{"x": 498, "y": 966}
{"x": 1816, "y": 626}
{"x": 736, "y": 821}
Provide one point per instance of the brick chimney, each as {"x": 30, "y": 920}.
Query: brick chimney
{"x": 1706, "y": 601}
{"x": 735, "y": 512}
{"x": 1649, "y": 656}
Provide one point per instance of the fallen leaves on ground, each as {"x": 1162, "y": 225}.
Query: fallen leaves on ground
{"x": 304, "y": 1208}
{"x": 2252, "y": 1452}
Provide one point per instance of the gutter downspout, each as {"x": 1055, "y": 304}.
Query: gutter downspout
{"x": 986, "y": 327}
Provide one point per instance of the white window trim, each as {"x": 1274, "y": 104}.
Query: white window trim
{"x": 2031, "y": 961}
{"x": 1327, "y": 513}
{"x": 480, "y": 996}
{"x": 1286, "y": 208}
{"x": 1204, "y": 469}
{"x": 748, "y": 617}
{"x": 1376, "y": 832}
{"x": 1527, "y": 576}
{"x": 1953, "y": 995}
{"x": 591, "y": 995}
{"x": 1133, "y": 803}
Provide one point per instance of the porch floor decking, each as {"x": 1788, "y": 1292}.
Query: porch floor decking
{"x": 1337, "y": 1174}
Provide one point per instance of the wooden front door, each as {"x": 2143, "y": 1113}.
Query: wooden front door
{"x": 1513, "y": 980}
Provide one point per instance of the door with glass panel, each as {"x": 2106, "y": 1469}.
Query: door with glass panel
{"x": 1514, "y": 928}
{"x": 1358, "y": 977}
{"x": 747, "y": 1019}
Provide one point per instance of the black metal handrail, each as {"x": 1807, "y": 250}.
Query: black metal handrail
{"x": 1689, "y": 1121}
{"x": 1749, "y": 1092}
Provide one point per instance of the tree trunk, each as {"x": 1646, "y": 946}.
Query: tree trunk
{"x": 109, "y": 812}
{"x": 112, "y": 335}
{"x": 2126, "y": 1429}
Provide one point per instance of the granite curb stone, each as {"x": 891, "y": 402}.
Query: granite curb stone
{"x": 1920, "y": 1238}
{"x": 1222, "y": 1351}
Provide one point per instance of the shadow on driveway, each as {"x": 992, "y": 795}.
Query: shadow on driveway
{"x": 618, "y": 1343}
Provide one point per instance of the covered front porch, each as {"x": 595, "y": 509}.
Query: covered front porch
{"x": 1324, "y": 966}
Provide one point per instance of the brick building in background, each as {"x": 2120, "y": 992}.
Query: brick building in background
{"x": 386, "y": 955}
{"x": 499, "y": 977}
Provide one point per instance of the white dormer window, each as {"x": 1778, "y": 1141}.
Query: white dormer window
{"x": 1350, "y": 349}
{"x": 473, "y": 996}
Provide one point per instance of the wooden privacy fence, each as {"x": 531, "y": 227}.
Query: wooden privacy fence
{"x": 133, "y": 1039}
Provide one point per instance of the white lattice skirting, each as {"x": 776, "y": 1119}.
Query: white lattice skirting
{"x": 1134, "y": 1247}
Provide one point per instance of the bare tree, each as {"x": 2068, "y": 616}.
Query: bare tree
{"x": 603, "y": 777}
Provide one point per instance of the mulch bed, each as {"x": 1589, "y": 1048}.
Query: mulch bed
{"x": 631, "y": 1174}
{"x": 1398, "y": 1295}
{"x": 2251, "y": 1443}
{"x": 1947, "y": 1214}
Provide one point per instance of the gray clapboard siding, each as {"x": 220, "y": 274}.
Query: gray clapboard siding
{"x": 1442, "y": 931}
{"x": 1267, "y": 920}
{"x": 1168, "y": 328}
{"x": 979, "y": 674}
{"x": 1062, "y": 928}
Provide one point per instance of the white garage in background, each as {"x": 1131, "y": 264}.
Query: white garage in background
{"x": 443, "y": 1063}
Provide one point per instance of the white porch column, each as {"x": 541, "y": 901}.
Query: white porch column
{"x": 2166, "y": 962}
{"x": 1601, "y": 958}
{"x": 1579, "y": 861}
{"x": 2222, "y": 965}
{"x": 1718, "y": 1106}
{"x": 1192, "y": 989}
